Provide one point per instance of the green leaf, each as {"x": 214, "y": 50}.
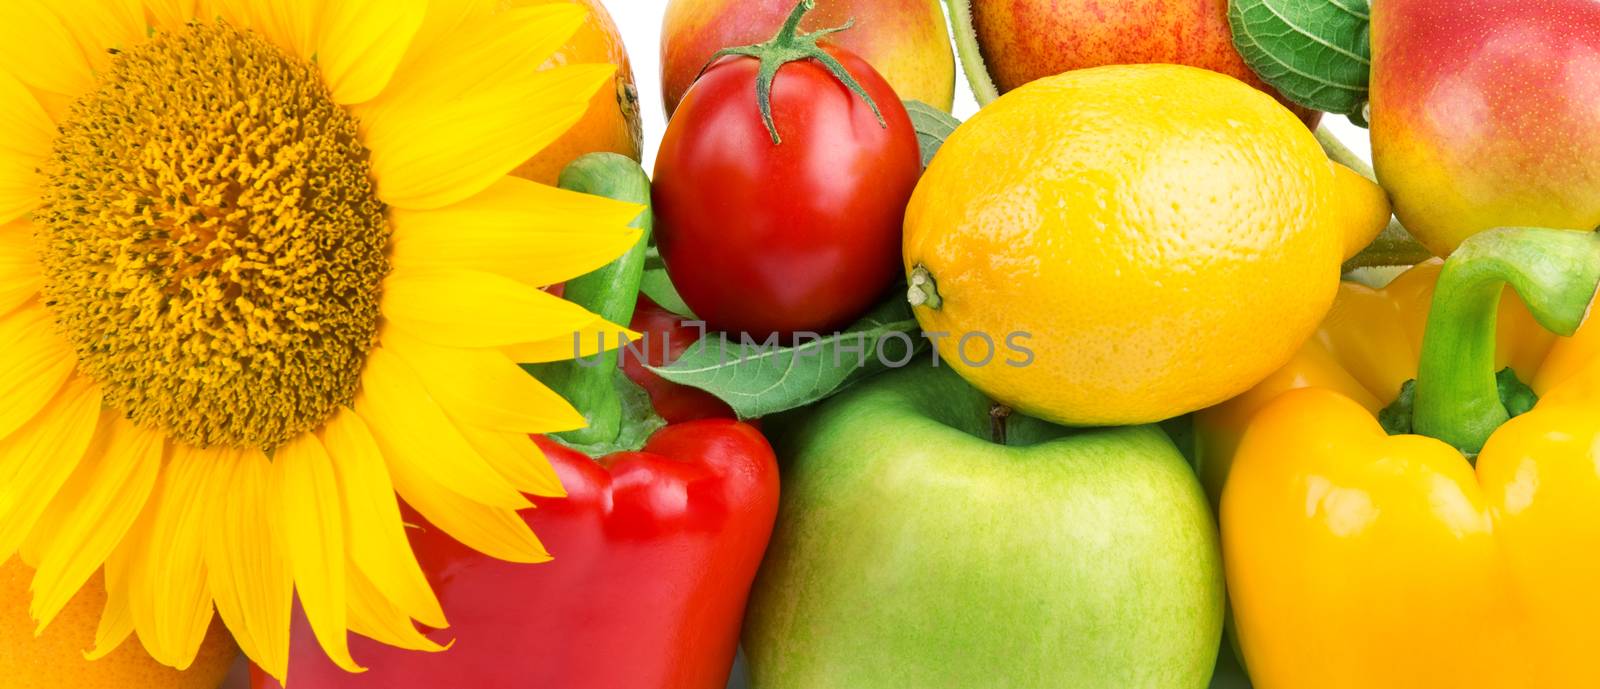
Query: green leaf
{"x": 1180, "y": 430}
{"x": 1316, "y": 52}
{"x": 933, "y": 127}
{"x": 658, "y": 285}
{"x": 757, "y": 380}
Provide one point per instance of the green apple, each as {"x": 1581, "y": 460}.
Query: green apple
{"x": 914, "y": 551}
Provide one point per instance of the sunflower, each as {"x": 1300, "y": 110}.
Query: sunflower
{"x": 262, "y": 268}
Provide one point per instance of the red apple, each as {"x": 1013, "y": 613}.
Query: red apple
{"x": 1024, "y": 40}
{"x": 1487, "y": 114}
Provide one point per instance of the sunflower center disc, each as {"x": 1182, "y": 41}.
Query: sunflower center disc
{"x": 212, "y": 242}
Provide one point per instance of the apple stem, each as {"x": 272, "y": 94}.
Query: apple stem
{"x": 1339, "y": 153}
{"x": 966, "y": 37}
{"x": 1556, "y": 272}
{"x": 998, "y": 414}
{"x": 923, "y": 291}
{"x": 790, "y": 45}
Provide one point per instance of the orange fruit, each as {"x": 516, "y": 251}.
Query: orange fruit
{"x": 612, "y": 121}
{"x": 55, "y": 660}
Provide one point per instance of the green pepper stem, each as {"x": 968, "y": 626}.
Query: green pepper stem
{"x": 1556, "y": 273}
{"x": 611, "y": 292}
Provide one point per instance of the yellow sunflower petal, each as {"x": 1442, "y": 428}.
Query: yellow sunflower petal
{"x": 37, "y": 362}
{"x": 460, "y": 308}
{"x": 94, "y": 511}
{"x": 170, "y": 602}
{"x": 430, "y": 154}
{"x": 374, "y": 617}
{"x": 484, "y": 388}
{"x": 588, "y": 341}
{"x": 378, "y": 545}
{"x": 20, "y": 276}
{"x": 414, "y": 433}
{"x": 116, "y": 619}
{"x": 287, "y": 23}
{"x": 40, "y": 51}
{"x": 170, "y": 14}
{"x": 313, "y": 524}
{"x": 247, "y": 569}
{"x": 19, "y": 188}
{"x": 39, "y": 458}
{"x": 492, "y": 531}
{"x": 29, "y": 131}
{"x": 220, "y": 539}
{"x": 101, "y": 25}
{"x": 525, "y": 231}
{"x": 360, "y": 43}
{"x": 441, "y": 21}
{"x": 484, "y": 52}
{"x": 518, "y": 459}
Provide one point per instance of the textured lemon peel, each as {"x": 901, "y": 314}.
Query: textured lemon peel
{"x": 212, "y": 240}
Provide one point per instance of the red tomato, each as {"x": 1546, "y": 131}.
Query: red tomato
{"x": 765, "y": 238}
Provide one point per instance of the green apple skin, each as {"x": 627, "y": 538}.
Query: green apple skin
{"x": 912, "y": 551}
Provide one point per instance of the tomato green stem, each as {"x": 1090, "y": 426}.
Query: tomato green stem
{"x": 1556, "y": 272}
{"x": 611, "y": 292}
{"x": 790, "y": 45}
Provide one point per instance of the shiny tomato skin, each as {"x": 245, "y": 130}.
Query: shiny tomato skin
{"x": 799, "y": 236}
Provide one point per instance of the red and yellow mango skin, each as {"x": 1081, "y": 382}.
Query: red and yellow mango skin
{"x": 1487, "y": 114}
{"x": 1024, "y": 40}
{"x": 1356, "y": 559}
{"x": 905, "y": 40}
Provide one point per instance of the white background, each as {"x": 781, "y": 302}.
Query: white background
{"x": 640, "y": 22}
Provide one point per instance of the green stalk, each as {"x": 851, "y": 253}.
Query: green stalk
{"x": 1556, "y": 272}
{"x": 1341, "y": 154}
{"x": 972, "y": 65}
{"x": 611, "y": 292}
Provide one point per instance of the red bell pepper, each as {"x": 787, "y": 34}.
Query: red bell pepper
{"x": 654, "y": 549}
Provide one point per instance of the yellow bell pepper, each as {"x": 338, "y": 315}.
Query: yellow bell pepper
{"x": 1357, "y": 559}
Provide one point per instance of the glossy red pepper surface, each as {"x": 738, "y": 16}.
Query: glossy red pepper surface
{"x": 654, "y": 553}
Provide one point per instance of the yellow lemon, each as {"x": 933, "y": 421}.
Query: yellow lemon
{"x": 1126, "y": 244}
